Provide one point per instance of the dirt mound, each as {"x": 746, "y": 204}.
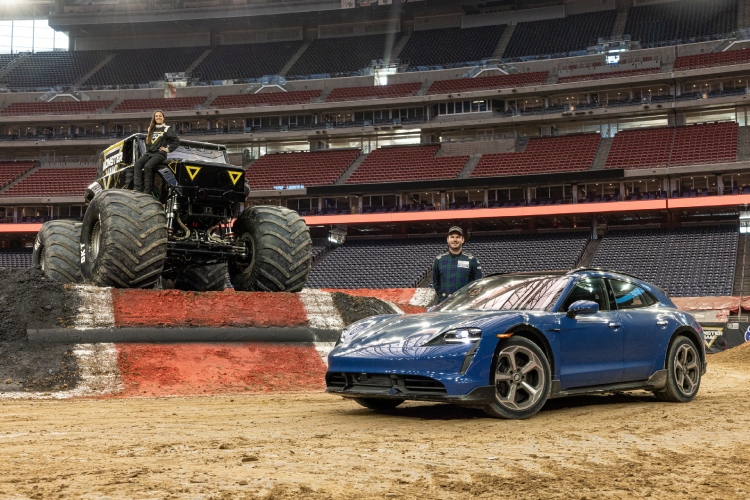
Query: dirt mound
{"x": 26, "y": 366}
{"x": 354, "y": 308}
{"x": 735, "y": 355}
{"x": 30, "y": 300}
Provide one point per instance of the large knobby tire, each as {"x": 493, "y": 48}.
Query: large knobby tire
{"x": 522, "y": 379}
{"x": 123, "y": 240}
{"x": 281, "y": 250}
{"x": 56, "y": 251}
{"x": 379, "y": 404}
{"x": 683, "y": 372}
{"x": 208, "y": 278}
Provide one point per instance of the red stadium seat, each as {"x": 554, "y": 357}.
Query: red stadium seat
{"x": 308, "y": 169}
{"x": 407, "y": 163}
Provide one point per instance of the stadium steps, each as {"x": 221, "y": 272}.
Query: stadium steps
{"x": 618, "y": 29}
{"x": 12, "y": 65}
{"x": 741, "y": 284}
{"x": 115, "y": 102}
{"x": 20, "y": 178}
{"x": 200, "y": 59}
{"x": 504, "y": 41}
{"x": 399, "y": 46}
{"x": 601, "y": 154}
{"x": 88, "y": 75}
{"x": 424, "y": 88}
{"x": 294, "y": 59}
{"x": 588, "y": 253}
{"x": 324, "y": 94}
{"x": 469, "y": 167}
{"x": 743, "y": 146}
{"x": 350, "y": 170}
{"x": 209, "y": 99}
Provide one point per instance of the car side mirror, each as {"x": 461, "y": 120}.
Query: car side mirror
{"x": 582, "y": 307}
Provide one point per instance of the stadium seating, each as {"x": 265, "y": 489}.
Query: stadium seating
{"x": 404, "y": 263}
{"x": 610, "y": 74}
{"x": 710, "y": 59}
{"x": 55, "y": 108}
{"x": 15, "y": 258}
{"x": 308, "y": 169}
{"x": 253, "y": 60}
{"x": 340, "y": 56}
{"x": 51, "y": 69}
{"x": 673, "y": 146}
{"x": 54, "y": 181}
{"x": 488, "y": 82}
{"x": 451, "y": 45}
{"x": 555, "y": 36}
{"x": 542, "y": 155}
{"x": 407, "y": 163}
{"x": 173, "y": 104}
{"x": 12, "y": 170}
{"x": 687, "y": 262}
{"x": 374, "y": 92}
{"x": 681, "y": 22}
{"x": 265, "y": 99}
{"x": 134, "y": 67}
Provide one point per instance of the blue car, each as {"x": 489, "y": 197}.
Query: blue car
{"x": 507, "y": 343}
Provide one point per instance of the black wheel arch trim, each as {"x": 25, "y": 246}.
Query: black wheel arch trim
{"x": 695, "y": 338}
{"x": 533, "y": 334}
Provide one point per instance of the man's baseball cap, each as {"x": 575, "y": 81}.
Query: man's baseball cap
{"x": 456, "y": 229}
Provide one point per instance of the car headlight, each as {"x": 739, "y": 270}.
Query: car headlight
{"x": 351, "y": 331}
{"x": 458, "y": 336}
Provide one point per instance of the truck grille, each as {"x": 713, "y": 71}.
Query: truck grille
{"x": 379, "y": 381}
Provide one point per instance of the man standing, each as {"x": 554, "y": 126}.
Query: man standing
{"x": 454, "y": 269}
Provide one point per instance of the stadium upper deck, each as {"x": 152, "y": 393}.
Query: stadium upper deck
{"x": 685, "y": 77}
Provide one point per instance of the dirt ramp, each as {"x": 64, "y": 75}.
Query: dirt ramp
{"x": 30, "y": 300}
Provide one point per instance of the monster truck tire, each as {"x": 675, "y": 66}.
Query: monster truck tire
{"x": 56, "y": 251}
{"x": 281, "y": 250}
{"x": 123, "y": 240}
{"x": 208, "y": 278}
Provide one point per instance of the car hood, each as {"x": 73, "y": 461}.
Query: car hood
{"x": 416, "y": 329}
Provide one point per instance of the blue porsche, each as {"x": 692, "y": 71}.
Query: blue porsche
{"x": 507, "y": 343}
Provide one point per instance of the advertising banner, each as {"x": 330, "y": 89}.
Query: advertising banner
{"x": 737, "y": 333}
{"x": 351, "y": 4}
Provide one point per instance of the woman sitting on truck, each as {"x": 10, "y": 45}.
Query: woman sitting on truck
{"x": 160, "y": 141}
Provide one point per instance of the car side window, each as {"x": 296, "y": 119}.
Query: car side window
{"x": 592, "y": 289}
{"x": 630, "y": 296}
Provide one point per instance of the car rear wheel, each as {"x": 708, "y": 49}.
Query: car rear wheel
{"x": 379, "y": 404}
{"x": 683, "y": 372}
{"x": 522, "y": 380}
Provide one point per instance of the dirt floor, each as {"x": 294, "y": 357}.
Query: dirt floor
{"x": 313, "y": 445}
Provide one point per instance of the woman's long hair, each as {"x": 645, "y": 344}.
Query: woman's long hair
{"x": 152, "y": 125}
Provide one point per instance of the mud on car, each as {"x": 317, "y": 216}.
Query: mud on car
{"x": 188, "y": 234}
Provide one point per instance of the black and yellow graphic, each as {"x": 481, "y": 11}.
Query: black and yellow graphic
{"x": 173, "y": 166}
{"x": 192, "y": 171}
{"x": 234, "y": 176}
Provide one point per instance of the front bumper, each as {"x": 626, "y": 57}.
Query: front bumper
{"x": 402, "y": 387}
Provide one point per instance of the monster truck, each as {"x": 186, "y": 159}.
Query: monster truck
{"x": 180, "y": 236}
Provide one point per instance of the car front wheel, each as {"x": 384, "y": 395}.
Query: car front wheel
{"x": 522, "y": 380}
{"x": 683, "y": 372}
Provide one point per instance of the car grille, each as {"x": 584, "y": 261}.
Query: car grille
{"x": 379, "y": 381}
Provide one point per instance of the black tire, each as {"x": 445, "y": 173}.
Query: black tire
{"x": 379, "y": 404}
{"x": 56, "y": 251}
{"x": 123, "y": 240}
{"x": 522, "y": 378}
{"x": 683, "y": 372}
{"x": 281, "y": 250}
{"x": 208, "y": 278}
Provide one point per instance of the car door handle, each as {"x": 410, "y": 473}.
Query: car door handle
{"x": 615, "y": 325}
{"x": 550, "y": 329}
{"x": 662, "y": 323}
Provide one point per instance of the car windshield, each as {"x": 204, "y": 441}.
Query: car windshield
{"x": 507, "y": 293}
{"x": 196, "y": 153}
